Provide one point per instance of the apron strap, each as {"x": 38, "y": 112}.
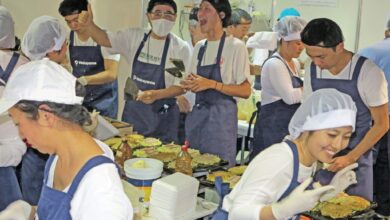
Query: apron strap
{"x": 47, "y": 168}
{"x": 358, "y": 67}
{"x": 5, "y": 74}
{"x": 222, "y": 189}
{"x": 294, "y": 180}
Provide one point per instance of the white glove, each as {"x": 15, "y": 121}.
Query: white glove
{"x": 299, "y": 200}
{"x": 94, "y": 118}
{"x": 83, "y": 80}
{"x": 18, "y": 210}
{"x": 341, "y": 181}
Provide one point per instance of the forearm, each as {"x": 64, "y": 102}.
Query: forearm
{"x": 99, "y": 35}
{"x": 242, "y": 91}
{"x": 106, "y": 76}
{"x": 169, "y": 92}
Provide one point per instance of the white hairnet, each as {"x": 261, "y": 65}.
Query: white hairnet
{"x": 324, "y": 109}
{"x": 289, "y": 28}
{"x": 7, "y": 32}
{"x": 45, "y": 34}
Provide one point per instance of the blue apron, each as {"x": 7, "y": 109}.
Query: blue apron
{"x": 88, "y": 60}
{"x": 9, "y": 187}
{"x": 54, "y": 204}
{"x": 273, "y": 119}
{"x": 211, "y": 126}
{"x": 5, "y": 74}
{"x": 161, "y": 118}
{"x": 223, "y": 188}
{"x": 364, "y": 187}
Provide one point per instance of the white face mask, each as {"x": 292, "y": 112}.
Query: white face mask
{"x": 162, "y": 27}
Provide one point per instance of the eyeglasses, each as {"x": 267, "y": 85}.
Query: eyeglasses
{"x": 166, "y": 15}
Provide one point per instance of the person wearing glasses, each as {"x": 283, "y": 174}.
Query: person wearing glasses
{"x": 335, "y": 67}
{"x": 94, "y": 67}
{"x": 154, "y": 111}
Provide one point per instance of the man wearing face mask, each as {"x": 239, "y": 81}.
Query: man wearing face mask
{"x": 154, "y": 112}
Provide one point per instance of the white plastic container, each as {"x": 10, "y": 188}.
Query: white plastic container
{"x": 143, "y": 178}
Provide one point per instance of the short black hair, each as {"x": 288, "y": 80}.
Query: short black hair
{"x": 194, "y": 14}
{"x": 237, "y": 15}
{"x": 153, "y": 3}
{"x": 70, "y": 7}
{"x": 322, "y": 32}
{"x": 222, "y": 6}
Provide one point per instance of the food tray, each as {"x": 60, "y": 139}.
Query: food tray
{"x": 368, "y": 213}
{"x": 202, "y": 168}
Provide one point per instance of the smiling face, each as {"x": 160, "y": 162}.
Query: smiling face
{"x": 322, "y": 145}
{"x": 208, "y": 17}
{"x": 72, "y": 22}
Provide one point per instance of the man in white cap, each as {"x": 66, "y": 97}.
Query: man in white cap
{"x": 379, "y": 54}
{"x": 44, "y": 38}
{"x": 12, "y": 147}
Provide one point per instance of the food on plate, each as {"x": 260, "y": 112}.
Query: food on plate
{"x": 150, "y": 142}
{"x": 114, "y": 143}
{"x": 135, "y": 138}
{"x": 238, "y": 170}
{"x": 164, "y": 157}
{"x": 140, "y": 164}
{"x": 172, "y": 164}
{"x": 227, "y": 177}
{"x": 144, "y": 152}
{"x": 341, "y": 206}
{"x": 206, "y": 159}
{"x": 174, "y": 148}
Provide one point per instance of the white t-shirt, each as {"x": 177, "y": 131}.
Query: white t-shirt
{"x": 12, "y": 147}
{"x": 90, "y": 42}
{"x": 100, "y": 194}
{"x": 234, "y": 62}
{"x": 372, "y": 85}
{"x": 264, "y": 182}
{"x": 126, "y": 42}
{"x": 276, "y": 82}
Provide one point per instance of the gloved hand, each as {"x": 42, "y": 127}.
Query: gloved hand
{"x": 341, "y": 181}
{"x": 18, "y": 210}
{"x": 299, "y": 200}
{"x": 94, "y": 118}
{"x": 82, "y": 80}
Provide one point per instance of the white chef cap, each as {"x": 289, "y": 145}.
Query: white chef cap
{"x": 324, "y": 109}
{"x": 7, "y": 32}
{"x": 289, "y": 28}
{"x": 45, "y": 34}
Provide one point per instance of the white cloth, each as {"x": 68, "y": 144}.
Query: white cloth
{"x": 264, "y": 182}
{"x": 372, "y": 85}
{"x": 7, "y": 31}
{"x": 234, "y": 60}
{"x": 91, "y": 43}
{"x": 126, "y": 42}
{"x": 325, "y": 109}
{"x": 5, "y": 58}
{"x": 100, "y": 194}
{"x": 263, "y": 40}
{"x": 276, "y": 82}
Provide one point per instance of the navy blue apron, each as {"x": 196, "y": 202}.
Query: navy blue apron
{"x": 5, "y": 74}
{"x": 54, "y": 204}
{"x": 223, "y": 188}
{"x": 161, "y": 118}
{"x": 364, "y": 187}
{"x": 211, "y": 126}
{"x": 272, "y": 122}
{"x": 88, "y": 60}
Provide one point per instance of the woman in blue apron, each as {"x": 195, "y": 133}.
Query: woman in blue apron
{"x": 211, "y": 126}
{"x": 97, "y": 73}
{"x": 281, "y": 86}
{"x": 277, "y": 183}
{"x": 81, "y": 170}
{"x": 335, "y": 67}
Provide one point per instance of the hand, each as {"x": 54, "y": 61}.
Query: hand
{"x": 85, "y": 18}
{"x": 147, "y": 97}
{"x": 18, "y": 210}
{"x": 299, "y": 200}
{"x": 339, "y": 163}
{"x": 94, "y": 122}
{"x": 197, "y": 83}
{"x": 183, "y": 104}
{"x": 83, "y": 80}
{"x": 342, "y": 180}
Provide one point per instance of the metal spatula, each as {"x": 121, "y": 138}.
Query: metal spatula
{"x": 131, "y": 89}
